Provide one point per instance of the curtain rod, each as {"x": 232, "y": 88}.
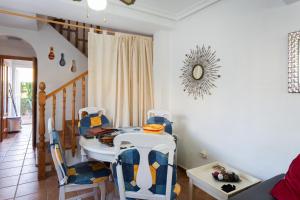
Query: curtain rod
{"x": 18, "y": 14}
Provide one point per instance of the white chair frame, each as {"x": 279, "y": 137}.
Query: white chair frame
{"x": 64, "y": 187}
{"x": 159, "y": 113}
{"x": 144, "y": 143}
{"x": 91, "y": 110}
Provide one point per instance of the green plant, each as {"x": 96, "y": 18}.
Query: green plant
{"x": 26, "y": 98}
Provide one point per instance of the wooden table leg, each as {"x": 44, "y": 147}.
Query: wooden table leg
{"x": 190, "y": 189}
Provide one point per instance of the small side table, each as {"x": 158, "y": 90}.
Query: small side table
{"x": 202, "y": 178}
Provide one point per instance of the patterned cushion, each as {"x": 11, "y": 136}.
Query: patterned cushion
{"x": 59, "y": 153}
{"x": 88, "y": 173}
{"x": 161, "y": 120}
{"x": 82, "y": 173}
{"x": 158, "y": 163}
{"x": 92, "y": 121}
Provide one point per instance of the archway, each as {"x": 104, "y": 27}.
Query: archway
{"x": 18, "y": 88}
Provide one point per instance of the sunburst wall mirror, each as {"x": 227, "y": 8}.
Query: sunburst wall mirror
{"x": 200, "y": 71}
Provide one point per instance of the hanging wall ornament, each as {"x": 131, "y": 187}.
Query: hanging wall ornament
{"x": 62, "y": 61}
{"x": 51, "y": 54}
{"x": 73, "y": 67}
{"x": 200, "y": 71}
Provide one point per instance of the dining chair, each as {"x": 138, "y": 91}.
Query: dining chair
{"x": 159, "y": 113}
{"x": 90, "y": 117}
{"x": 145, "y": 173}
{"x": 81, "y": 176}
{"x": 160, "y": 117}
{"x": 90, "y": 110}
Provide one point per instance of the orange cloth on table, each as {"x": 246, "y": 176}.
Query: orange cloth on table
{"x": 154, "y": 128}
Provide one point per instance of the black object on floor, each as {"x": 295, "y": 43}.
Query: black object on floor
{"x": 228, "y": 188}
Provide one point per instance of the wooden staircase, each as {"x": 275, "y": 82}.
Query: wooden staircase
{"x": 76, "y": 36}
{"x": 69, "y": 130}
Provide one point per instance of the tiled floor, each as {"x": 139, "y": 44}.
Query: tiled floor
{"x": 18, "y": 173}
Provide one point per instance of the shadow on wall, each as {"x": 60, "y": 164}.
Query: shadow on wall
{"x": 185, "y": 137}
{"x": 15, "y": 46}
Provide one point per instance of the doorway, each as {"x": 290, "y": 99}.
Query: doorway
{"x": 18, "y": 92}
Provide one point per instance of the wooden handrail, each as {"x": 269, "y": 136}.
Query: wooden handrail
{"x": 41, "y": 146}
{"x": 42, "y": 121}
{"x": 66, "y": 85}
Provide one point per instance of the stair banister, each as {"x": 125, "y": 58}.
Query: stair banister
{"x": 41, "y": 145}
{"x": 43, "y": 97}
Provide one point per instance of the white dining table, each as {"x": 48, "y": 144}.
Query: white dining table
{"x": 93, "y": 148}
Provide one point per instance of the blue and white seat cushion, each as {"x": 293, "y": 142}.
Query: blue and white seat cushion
{"x": 88, "y": 173}
{"x": 158, "y": 163}
{"x": 82, "y": 173}
{"x": 162, "y": 121}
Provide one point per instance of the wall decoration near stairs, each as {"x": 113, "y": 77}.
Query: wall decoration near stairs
{"x": 62, "y": 61}
{"x": 51, "y": 55}
{"x": 73, "y": 67}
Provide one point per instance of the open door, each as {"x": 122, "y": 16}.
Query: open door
{"x": 3, "y": 98}
{"x": 18, "y": 94}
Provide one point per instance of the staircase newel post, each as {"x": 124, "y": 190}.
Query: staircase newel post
{"x": 41, "y": 145}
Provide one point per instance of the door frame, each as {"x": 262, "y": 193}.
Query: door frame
{"x": 34, "y": 92}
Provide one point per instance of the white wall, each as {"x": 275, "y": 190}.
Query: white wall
{"x": 49, "y": 71}
{"x": 250, "y": 121}
{"x": 16, "y": 48}
{"x": 161, "y": 70}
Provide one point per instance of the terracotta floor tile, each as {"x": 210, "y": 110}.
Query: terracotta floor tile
{"x": 13, "y": 158}
{"x": 11, "y": 164}
{"x": 10, "y": 172}
{"x": 30, "y": 150}
{"x": 18, "y": 147}
{"x": 18, "y": 144}
{"x": 30, "y": 155}
{"x": 29, "y": 177}
{"x": 16, "y": 152}
{"x": 29, "y": 168}
{"x": 35, "y": 196}
{"x": 30, "y": 188}
{"x": 29, "y": 161}
{"x": 7, "y": 193}
{"x": 4, "y": 148}
{"x": 22, "y": 139}
{"x": 9, "y": 181}
{"x": 52, "y": 195}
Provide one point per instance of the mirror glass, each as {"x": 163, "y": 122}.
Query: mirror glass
{"x": 197, "y": 72}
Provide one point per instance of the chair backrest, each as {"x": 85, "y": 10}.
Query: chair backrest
{"x": 163, "y": 121}
{"x": 159, "y": 113}
{"x": 91, "y": 117}
{"x": 57, "y": 154}
{"x": 90, "y": 110}
{"x": 144, "y": 144}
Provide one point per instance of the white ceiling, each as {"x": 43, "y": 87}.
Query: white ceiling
{"x": 170, "y": 9}
{"x": 146, "y": 16}
{"x": 17, "y": 22}
{"x": 290, "y": 1}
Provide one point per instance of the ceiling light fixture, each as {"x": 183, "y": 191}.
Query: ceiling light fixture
{"x": 97, "y": 4}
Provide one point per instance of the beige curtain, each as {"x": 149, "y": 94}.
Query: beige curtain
{"x": 120, "y": 76}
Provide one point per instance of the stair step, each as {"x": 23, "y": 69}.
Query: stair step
{"x": 69, "y": 127}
